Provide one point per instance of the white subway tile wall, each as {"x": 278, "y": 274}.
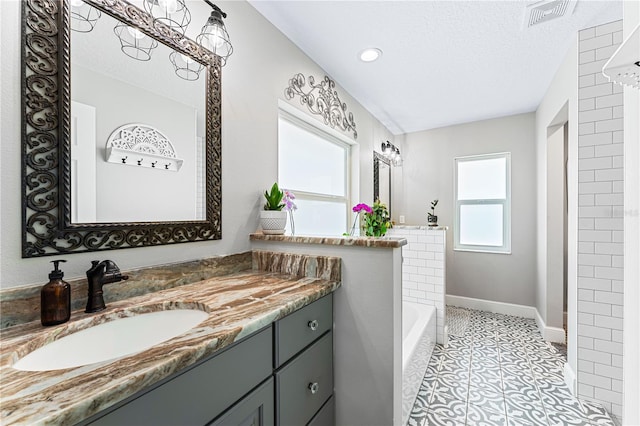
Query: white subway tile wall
{"x": 423, "y": 270}
{"x": 600, "y": 245}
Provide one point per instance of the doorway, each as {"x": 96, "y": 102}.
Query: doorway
{"x": 557, "y": 226}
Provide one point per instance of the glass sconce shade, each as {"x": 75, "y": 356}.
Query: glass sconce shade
{"x": 185, "y": 67}
{"x": 134, "y": 43}
{"x": 392, "y": 152}
{"x": 173, "y": 13}
{"x": 214, "y": 36}
{"x": 83, "y": 16}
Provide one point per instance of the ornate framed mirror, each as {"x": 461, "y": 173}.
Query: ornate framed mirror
{"x": 382, "y": 179}
{"x": 54, "y": 64}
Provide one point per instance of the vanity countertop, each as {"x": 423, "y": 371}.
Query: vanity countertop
{"x": 238, "y": 305}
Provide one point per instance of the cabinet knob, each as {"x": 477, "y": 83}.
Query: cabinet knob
{"x": 314, "y": 387}
{"x": 313, "y": 325}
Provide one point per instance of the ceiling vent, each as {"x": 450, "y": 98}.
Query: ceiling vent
{"x": 546, "y": 10}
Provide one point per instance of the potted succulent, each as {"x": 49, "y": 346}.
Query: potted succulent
{"x": 432, "y": 219}
{"x": 273, "y": 217}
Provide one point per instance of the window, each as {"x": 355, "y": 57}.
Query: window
{"x": 314, "y": 165}
{"x": 483, "y": 203}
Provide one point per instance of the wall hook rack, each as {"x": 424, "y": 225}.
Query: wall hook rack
{"x": 148, "y": 144}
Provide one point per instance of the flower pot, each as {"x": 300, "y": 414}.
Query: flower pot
{"x": 432, "y": 220}
{"x": 273, "y": 222}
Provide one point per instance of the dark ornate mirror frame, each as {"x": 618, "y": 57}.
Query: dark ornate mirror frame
{"x": 377, "y": 159}
{"x": 46, "y": 150}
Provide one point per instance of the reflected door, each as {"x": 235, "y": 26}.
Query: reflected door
{"x": 83, "y": 163}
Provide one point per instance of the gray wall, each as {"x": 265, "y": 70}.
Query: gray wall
{"x": 127, "y": 192}
{"x": 253, "y": 81}
{"x": 427, "y": 174}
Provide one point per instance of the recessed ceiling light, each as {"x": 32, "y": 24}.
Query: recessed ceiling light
{"x": 370, "y": 55}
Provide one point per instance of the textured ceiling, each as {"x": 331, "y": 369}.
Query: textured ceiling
{"x": 443, "y": 62}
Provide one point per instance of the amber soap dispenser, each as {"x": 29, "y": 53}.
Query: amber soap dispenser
{"x": 55, "y": 298}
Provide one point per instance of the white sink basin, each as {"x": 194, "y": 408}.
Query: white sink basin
{"x": 111, "y": 340}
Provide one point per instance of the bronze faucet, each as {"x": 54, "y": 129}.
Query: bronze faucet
{"x": 101, "y": 273}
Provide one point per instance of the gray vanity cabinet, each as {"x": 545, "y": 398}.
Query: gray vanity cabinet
{"x": 305, "y": 384}
{"x": 201, "y": 393}
{"x": 256, "y": 409}
{"x": 303, "y": 358}
{"x": 281, "y": 375}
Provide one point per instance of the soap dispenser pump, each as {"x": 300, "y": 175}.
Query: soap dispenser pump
{"x": 55, "y": 298}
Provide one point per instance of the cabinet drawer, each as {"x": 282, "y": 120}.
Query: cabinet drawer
{"x": 305, "y": 384}
{"x": 200, "y": 394}
{"x": 296, "y": 331}
{"x": 326, "y": 416}
{"x": 255, "y": 409}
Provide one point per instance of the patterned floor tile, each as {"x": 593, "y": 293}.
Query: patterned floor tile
{"x": 480, "y": 416}
{"x": 596, "y": 414}
{"x": 525, "y": 411}
{"x": 450, "y": 386}
{"x": 433, "y": 419}
{"x": 444, "y": 406}
{"x": 498, "y": 370}
{"x": 487, "y": 399}
{"x": 491, "y": 383}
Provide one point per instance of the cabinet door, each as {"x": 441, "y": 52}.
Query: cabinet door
{"x": 305, "y": 384}
{"x": 326, "y": 416}
{"x": 256, "y": 409}
{"x": 203, "y": 392}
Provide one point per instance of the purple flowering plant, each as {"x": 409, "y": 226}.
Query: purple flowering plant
{"x": 362, "y": 206}
{"x": 376, "y": 219}
{"x": 288, "y": 198}
{"x": 290, "y": 206}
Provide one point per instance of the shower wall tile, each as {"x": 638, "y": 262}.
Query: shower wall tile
{"x": 600, "y": 246}
{"x": 423, "y": 269}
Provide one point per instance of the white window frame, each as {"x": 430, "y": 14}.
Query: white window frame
{"x": 285, "y": 112}
{"x": 506, "y": 210}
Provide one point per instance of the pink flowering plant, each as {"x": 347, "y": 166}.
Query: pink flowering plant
{"x": 376, "y": 219}
{"x": 289, "y": 204}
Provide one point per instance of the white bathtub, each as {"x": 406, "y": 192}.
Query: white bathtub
{"x": 418, "y": 340}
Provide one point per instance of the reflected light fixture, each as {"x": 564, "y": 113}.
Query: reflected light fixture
{"x": 214, "y": 35}
{"x": 134, "y": 43}
{"x": 391, "y": 152}
{"x": 172, "y": 13}
{"x": 83, "y": 16}
{"x": 185, "y": 67}
{"x": 371, "y": 54}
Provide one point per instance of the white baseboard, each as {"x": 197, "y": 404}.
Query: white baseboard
{"x": 551, "y": 334}
{"x": 492, "y": 306}
{"x": 569, "y": 378}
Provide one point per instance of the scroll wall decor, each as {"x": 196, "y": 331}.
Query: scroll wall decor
{"x": 322, "y": 99}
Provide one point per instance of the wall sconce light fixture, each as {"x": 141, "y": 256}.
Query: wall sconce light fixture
{"x": 392, "y": 152}
{"x": 185, "y": 67}
{"x": 214, "y": 35}
{"x": 172, "y": 13}
{"x": 83, "y": 16}
{"x": 134, "y": 43}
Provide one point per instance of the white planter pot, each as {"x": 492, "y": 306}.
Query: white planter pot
{"x": 273, "y": 222}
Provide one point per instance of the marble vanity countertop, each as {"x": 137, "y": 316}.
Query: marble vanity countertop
{"x": 238, "y": 305}
{"x": 380, "y": 242}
